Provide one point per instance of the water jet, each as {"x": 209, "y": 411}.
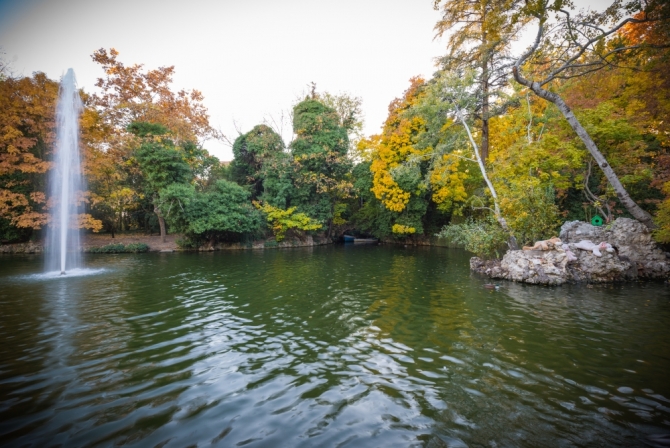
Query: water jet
{"x": 66, "y": 183}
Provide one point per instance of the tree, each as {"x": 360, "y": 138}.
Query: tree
{"x": 574, "y": 47}
{"x": 481, "y": 34}
{"x": 282, "y": 221}
{"x": 399, "y": 166}
{"x": 458, "y": 95}
{"x": 129, "y": 94}
{"x": 320, "y": 160}
{"x": 132, "y": 94}
{"x": 27, "y": 114}
{"x": 161, "y": 164}
{"x": 251, "y": 151}
{"x": 349, "y": 109}
{"x": 222, "y": 212}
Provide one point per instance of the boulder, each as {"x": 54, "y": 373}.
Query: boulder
{"x": 632, "y": 254}
{"x": 590, "y": 268}
{"x": 630, "y": 238}
{"x": 540, "y": 267}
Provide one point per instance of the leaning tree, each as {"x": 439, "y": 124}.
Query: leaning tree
{"x": 571, "y": 45}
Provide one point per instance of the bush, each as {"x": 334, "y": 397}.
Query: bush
{"x": 119, "y": 249}
{"x": 281, "y": 221}
{"x": 137, "y": 248}
{"x": 484, "y": 238}
{"x": 531, "y": 212}
{"x": 187, "y": 243}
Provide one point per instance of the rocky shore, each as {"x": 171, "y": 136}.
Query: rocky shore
{"x": 622, "y": 251}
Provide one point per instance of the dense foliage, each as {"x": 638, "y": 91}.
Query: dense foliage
{"x": 132, "y": 248}
{"x": 471, "y": 153}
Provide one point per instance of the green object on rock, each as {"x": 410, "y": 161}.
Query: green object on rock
{"x": 597, "y": 221}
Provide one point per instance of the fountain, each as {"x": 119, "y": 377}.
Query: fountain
{"x": 66, "y": 182}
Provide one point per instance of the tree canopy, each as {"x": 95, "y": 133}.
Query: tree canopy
{"x": 495, "y": 146}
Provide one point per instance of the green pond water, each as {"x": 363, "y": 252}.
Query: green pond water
{"x": 356, "y": 346}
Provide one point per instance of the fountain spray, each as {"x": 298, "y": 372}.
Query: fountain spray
{"x": 66, "y": 182}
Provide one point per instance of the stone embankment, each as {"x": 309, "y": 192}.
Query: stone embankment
{"x": 22, "y": 248}
{"x": 307, "y": 241}
{"x": 156, "y": 244}
{"x": 622, "y": 251}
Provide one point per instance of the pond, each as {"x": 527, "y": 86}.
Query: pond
{"x": 323, "y": 347}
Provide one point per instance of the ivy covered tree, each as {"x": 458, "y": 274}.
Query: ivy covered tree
{"x": 251, "y": 152}
{"x": 320, "y": 161}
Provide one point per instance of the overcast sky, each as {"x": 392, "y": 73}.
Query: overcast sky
{"x": 250, "y": 58}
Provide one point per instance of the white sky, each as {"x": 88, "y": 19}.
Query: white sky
{"x": 250, "y": 58}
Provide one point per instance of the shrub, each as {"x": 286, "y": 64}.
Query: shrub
{"x": 484, "y": 238}
{"x": 137, "y": 248}
{"x": 282, "y": 221}
{"x": 119, "y": 248}
{"x": 187, "y": 243}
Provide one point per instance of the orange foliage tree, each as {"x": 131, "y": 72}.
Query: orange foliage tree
{"x": 27, "y": 111}
{"x": 131, "y": 93}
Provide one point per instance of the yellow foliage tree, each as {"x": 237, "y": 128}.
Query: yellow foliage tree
{"x": 27, "y": 113}
{"x": 281, "y": 221}
{"x": 395, "y": 146}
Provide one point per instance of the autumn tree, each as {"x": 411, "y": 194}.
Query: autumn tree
{"x": 572, "y": 46}
{"x": 27, "y": 114}
{"x": 400, "y": 167}
{"x": 131, "y": 94}
{"x": 480, "y": 34}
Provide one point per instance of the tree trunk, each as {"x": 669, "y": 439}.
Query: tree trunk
{"x": 485, "y": 113}
{"x": 511, "y": 239}
{"x": 485, "y": 136}
{"x": 485, "y": 90}
{"x": 625, "y": 199}
{"x": 161, "y": 221}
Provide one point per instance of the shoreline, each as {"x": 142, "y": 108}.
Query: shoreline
{"x": 155, "y": 244}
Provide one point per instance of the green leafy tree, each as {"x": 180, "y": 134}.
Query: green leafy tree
{"x": 222, "y": 212}
{"x": 320, "y": 161}
{"x": 251, "y": 151}
{"x": 277, "y": 174}
{"x": 161, "y": 164}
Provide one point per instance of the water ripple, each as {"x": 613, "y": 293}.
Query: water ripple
{"x": 326, "y": 347}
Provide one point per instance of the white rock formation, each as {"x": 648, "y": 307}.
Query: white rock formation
{"x": 621, "y": 251}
